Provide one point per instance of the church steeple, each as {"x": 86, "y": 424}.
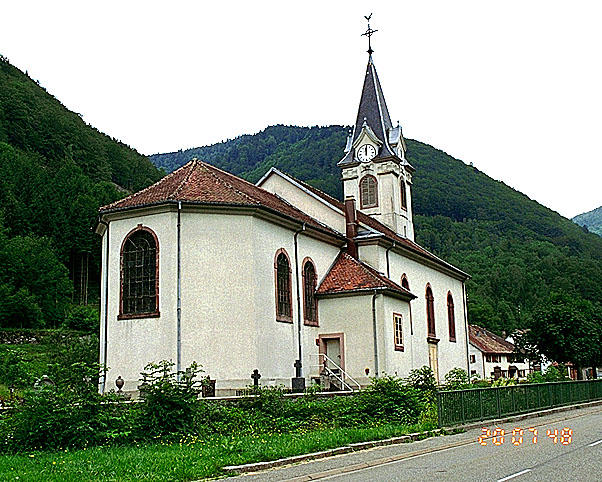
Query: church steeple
{"x": 375, "y": 170}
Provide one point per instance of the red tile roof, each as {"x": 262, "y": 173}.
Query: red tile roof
{"x": 200, "y": 183}
{"x": 378, "y": 226}
{"x": 348, "y": 274}
{"x": 487, "y": 341}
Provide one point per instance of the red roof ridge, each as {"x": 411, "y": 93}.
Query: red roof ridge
{"x": 137, "y": 193}
{"x": 209, "y": 168}
{"x": 186, "y": 177}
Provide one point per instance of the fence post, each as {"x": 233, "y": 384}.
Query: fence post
{"x": 463, "y": 408}
{"x": 550, "y": 394}
{"x": 481, "y": 401}
{"x": 513, "y": 402}
{"x": 440, "y": 409}
{"x": 499, "y": 405}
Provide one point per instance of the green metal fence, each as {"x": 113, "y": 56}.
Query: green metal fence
{"x": 461, "y": 406}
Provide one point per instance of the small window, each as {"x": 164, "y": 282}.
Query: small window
{"x": 398, "y": 331}
{"x": 404, "y": 196}
{"x": 430, "y": 312}
{"x": 368, "y": 192}
{"x": 310, "y": 306}
{"x": 473, "y": 359}
{"x": 139, "y": 275}
{"x": 404, "y": 282}
{"x": 283, "y": 287}
{"x": 451, "y": 317}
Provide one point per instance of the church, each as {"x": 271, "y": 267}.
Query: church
{"x": 279, "y": 276}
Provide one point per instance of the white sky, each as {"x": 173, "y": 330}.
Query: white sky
{"x": 513, "y": 86}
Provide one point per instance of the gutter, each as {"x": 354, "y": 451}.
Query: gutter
{"x": 387, "y": 256}
{"x": 179, "y": 303}
{"x": 374, "y": 332}
{"x": 298, "y": 366}
{"x": 106, "y": 320}
{"x": 466, "y": 331}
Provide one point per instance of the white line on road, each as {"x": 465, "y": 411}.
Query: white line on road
{"x": 514, "y": 475}
{"x": 595, "y": 443}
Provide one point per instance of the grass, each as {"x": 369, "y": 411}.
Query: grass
{"x": 190, "y": 459}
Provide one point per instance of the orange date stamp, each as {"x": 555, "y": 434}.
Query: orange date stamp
{"x": 518, "y": 436}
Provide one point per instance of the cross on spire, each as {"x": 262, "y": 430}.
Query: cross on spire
{"x": 368, "y": 33}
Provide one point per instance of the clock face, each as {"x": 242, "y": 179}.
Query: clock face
{"x": 366, "y": 152}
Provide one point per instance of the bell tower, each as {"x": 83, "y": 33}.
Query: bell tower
{"x": 375, "y": 171}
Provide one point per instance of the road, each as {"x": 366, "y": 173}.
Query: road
{"x": 461, "y": 457}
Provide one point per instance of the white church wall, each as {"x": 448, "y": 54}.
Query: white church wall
{"x": 218, "y": 303}
{"x": 351, "y": 315}
{"x": 397, "y": 363}
{"x": 304, "y": 201}
{"x": 450, "y": 354}
{"x": 132, "y": 343}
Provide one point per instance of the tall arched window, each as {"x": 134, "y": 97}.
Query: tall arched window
{"x": 430, "y": 311}
{"x": 404, "y": 196}
{"x": 310, "y": 306}
{"x": 368, "y": 192}
{"x": 404, "y": 282}
{"x": 139, "y": 294}
{"x": 282, "y": 271}
{"x": 451, "y": 317}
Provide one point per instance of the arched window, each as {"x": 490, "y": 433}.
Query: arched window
{"x": 398, "y": 331}
{"x": 139, "y": 294}
{"x": 310, "y": 306}
{"x": 368, "y": 192}
{"x": 451, "y": 317}
{"x": 282, "y": 270}
{"x": 404, "y": 196}
{"x": 430, "y": 311}
{"x": 404, "y": 282}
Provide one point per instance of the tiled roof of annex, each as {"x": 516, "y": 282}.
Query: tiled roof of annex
{"x": 487, "y": 341}
{"x": 197, "y": 182}
{"x": 347, "y": 275}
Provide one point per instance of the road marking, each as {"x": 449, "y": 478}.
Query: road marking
{"x": 595, "y": 443}
{"x": 514, "y": 475}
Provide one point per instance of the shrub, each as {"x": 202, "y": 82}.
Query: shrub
{"x": 456, "y": 379}
{"x": 83, "y": 318}
{"x": 168, "y": 403}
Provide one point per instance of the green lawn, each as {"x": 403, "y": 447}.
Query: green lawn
{"x": 188, "y": 460}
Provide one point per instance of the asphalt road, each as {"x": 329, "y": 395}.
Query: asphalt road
{"x": 462, "y": 457}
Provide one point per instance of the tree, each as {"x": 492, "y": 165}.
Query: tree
{"x": 565, "y": 329}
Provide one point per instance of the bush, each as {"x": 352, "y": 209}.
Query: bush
{"x": 168, "y": 404}
{"x": 456, "y": 379}
{"x": 83, "y": 318}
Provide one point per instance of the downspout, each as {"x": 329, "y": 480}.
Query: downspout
{"x": 387, "y": 256}
{"x": 375, "y": 333}
{"x": 466, "y": 331}
{"x": 298, "y": 366}
{"x": 179, "y": 303}
{"x": 106, "y": 320}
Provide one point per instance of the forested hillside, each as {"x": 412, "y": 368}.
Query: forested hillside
{"x": 516, "y": 250}
{"x": 592, "y": 220}
{"x": 55, "y": 171}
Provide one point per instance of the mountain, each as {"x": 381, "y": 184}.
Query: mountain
{"x": 516, "y": 250}
{"x": 55, "y": 171}
{"x": 592, "y": 220}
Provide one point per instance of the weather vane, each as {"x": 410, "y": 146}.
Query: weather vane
{"x": 368, "y": 33}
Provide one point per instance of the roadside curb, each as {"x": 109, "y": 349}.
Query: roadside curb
{"x": 523, "y": 416}
{"x": 257, "y": 466}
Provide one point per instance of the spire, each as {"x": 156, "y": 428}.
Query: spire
{"x": 372, "y": 114}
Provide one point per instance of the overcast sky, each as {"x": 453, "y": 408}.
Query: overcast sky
{"x": 513, "y": 87}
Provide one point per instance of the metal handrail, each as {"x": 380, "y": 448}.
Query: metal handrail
{"x": 344, "y": 373}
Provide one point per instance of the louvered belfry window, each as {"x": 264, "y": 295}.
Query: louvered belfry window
{"x": 283, "y": 287}
{"x": 368, "y": 192}
{"x": 139, "y": 274}
{"x": 404, "y": 196}
{"x": 309, "y": 287}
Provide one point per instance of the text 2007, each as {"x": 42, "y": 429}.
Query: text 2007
{"x": 528, "y": 436}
